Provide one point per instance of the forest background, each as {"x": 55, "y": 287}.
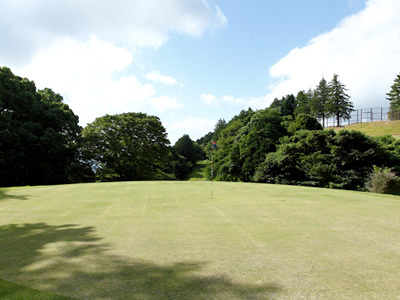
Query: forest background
{"x": 42, "y": 143}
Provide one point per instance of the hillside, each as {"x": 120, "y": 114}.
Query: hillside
{"x": 170, "y": 240}
{"x": 375, "y": 128}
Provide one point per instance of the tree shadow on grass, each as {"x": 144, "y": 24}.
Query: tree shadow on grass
{"x": 4, "y": 195}
{"x": 72, "y": 261}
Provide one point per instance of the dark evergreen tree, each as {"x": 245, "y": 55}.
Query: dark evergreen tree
{"x": 303, "y": 101}
{"x": 288, "y": 105}
{"x": 339, "y": 104}
{"x": 394, "y": 98}
{"x": 320, "y": 100}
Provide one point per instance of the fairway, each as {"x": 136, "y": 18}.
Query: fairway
{"x": 170, "y": 240}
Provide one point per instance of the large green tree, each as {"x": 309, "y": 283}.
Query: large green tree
{"x": 188, "y": 149}
{"x": 128, "y": 146}
{"x": 394, "y": 97}
{"x": 286, "y": 105}
{"x": 39, "y": 134}
{"x": 319, "y": 101}
{"x": 303, "y": 100}
{"x": 257, "y": 138}
{"x": 339, "y": 104}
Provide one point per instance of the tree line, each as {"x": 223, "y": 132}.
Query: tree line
{"x": 285, "y": 143}
{"x": 41, "y": 142}
{"x": 328, "y": 99}
{"x": 266, "y": 147}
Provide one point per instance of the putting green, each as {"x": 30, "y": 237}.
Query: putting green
{"x": 170, "y": 240}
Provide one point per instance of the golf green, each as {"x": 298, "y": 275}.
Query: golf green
{"x": 170, "y": 240}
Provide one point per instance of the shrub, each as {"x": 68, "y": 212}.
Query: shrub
{"x": 383, "y": 181}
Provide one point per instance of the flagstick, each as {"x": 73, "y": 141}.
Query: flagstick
{"x": 212, "y": 174}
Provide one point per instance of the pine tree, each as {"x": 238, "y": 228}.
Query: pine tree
{"x": 303, "y": 100}
{"x": 319, "y": 101}
{"x": 394, "y": 98}
{"x": 339, "y": 104}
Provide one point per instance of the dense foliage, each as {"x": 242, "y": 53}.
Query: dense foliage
{"x": 266, "y": 147}
{"x": 323, "y": 159}
{"x": 394, "y": 98}
{"x": 128, "y": 146}
{"x": 42, "y": 143}
{"x": 185, "y": 155}
{"x": 39, "y": 135}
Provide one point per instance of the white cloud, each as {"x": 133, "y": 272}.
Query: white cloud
{"x": 85, "y": 73}
{"x": 194, "y": 127}
{"x": 80, "y": 49}
{"x": 241, "y": 102}
{"x": 209, "y": 99}
{"x": 364, "y": 50}
{"x": 156, "y": 76}
{"x": 27, "y": 25}
{"x": 164, "y": 103}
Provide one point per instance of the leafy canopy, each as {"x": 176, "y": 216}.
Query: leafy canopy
{"x": 128, "y": 146}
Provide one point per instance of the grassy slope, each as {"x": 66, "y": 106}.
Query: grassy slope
{"x": 376, "y": 128}
{"x": 198, "y": 172}
{"x": 152, "y": 240}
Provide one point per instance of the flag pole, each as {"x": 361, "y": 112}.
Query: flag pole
{"x": 212, "y": 173}
{"x": 213, "y": 145}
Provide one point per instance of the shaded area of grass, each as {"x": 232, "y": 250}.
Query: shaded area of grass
{"x": 4, "y": 195}
{"x": 71, "y": 260}
{"x": 12, "y": 291}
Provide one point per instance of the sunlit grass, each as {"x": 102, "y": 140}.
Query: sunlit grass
{"x": 170, "y": 240}
{"x": 378, "y": 128}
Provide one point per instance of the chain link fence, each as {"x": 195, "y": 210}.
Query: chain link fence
{"x": 364, "y": 116}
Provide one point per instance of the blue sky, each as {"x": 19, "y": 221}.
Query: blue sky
{"x": 192, "y": 62}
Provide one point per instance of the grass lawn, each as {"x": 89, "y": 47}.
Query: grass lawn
{"x": 169, "y": 240}
{"x": 10, "y": 290}
{"x": 378, "y": 128}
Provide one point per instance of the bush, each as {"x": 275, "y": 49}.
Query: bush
{"x": 383, "y": 181}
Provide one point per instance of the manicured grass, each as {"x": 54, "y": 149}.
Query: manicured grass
{"x": 378, "y": 128}
{"x": 169, "y": 240}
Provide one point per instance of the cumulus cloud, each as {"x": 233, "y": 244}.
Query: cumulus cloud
{"x": 84, "y": 50}
{"x": 85, "y": 73}
{"x": 156, "y": 76}
{"x": 27, "y": 26}
{"x": 194, "y": 127}
{"x": 240, "y": 102}
{"x": 164, "y": 103}
{"x": 363, "y": 49}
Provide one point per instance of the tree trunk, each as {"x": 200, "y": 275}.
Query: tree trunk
{"x": 338, "y": 120}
